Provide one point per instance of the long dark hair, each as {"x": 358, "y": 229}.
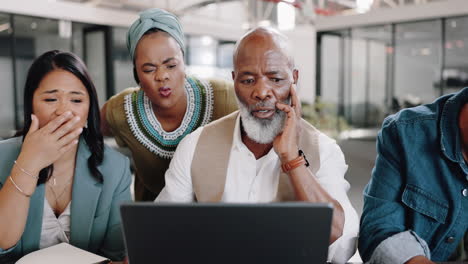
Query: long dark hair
{"x": 46, "y": 63}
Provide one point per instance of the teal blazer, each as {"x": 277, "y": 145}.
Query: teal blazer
{"x": 95, "y": 216}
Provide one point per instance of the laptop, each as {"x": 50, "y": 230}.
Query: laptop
{"x": 168, "y": 233}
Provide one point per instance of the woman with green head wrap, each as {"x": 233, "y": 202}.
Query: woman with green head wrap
{"x": 153, "y": 118}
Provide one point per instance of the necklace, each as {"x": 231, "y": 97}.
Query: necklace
{"x": 57, "y": 197}
{"x": 146, "y": 128}
{"x": 54, "y": 179}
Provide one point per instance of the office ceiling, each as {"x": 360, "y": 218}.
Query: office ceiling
{"x": 321, "y": 7}
{"x": 253, "y": 12}
{"x": 244, "y": 13}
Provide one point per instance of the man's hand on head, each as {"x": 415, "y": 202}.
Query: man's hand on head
{"x": 286, "y": 143}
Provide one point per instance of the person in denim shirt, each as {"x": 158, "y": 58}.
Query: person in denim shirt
{"x": 416, "y": 203}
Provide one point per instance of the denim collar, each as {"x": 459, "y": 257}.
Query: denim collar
{"x": 450, "y": 141}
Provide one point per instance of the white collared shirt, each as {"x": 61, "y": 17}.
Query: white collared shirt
{"x": 254, "y": 181}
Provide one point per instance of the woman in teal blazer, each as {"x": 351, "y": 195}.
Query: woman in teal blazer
{"x": 61, "y": 162}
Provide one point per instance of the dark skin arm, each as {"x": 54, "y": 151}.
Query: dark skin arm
{"x": 305, "y": 184}
{"x": 105, "y": 129}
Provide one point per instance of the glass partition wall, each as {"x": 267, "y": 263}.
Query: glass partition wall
{"x": 367, "y": 73}
{"x": 418, "y": 62}
{"x": 7, "y": 100}
{"x": 455, "y": 70}
{"x": 354, "y": 72}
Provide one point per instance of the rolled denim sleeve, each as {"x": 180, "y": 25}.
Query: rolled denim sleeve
{"x": 400, "y": 248}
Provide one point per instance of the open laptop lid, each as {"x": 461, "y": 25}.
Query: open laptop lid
{"x": 226, "y": 233}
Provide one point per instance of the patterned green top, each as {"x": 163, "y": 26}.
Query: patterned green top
{"x": 149, "y": 132}
{"x": 132, "y": 122}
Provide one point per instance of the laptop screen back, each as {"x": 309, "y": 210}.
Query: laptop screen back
{"x": 226, "y": 233}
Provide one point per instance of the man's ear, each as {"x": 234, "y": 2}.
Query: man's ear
{"x": 295, "y": 75}
{"x": 233, "y": 75}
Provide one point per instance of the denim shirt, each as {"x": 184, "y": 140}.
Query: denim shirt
{"x": 415, "y": 200}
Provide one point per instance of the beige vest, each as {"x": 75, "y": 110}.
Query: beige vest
{"x": 211, "y": 158}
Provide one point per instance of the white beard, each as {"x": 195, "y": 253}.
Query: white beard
{"x": 262, "y": 131}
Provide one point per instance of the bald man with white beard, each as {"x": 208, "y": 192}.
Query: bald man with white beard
{"x": 265, "y": 152}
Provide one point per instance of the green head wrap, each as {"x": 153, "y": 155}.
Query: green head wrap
{"x": 154, "y": 18}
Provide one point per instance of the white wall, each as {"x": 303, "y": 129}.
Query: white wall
{"x": 303, "y": 39}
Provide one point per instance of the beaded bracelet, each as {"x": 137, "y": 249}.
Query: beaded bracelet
{"x": 25, "y": 171}
{"x": 18, "y": 188}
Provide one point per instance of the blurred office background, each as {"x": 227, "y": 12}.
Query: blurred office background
{"x": 359, "y": 60}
